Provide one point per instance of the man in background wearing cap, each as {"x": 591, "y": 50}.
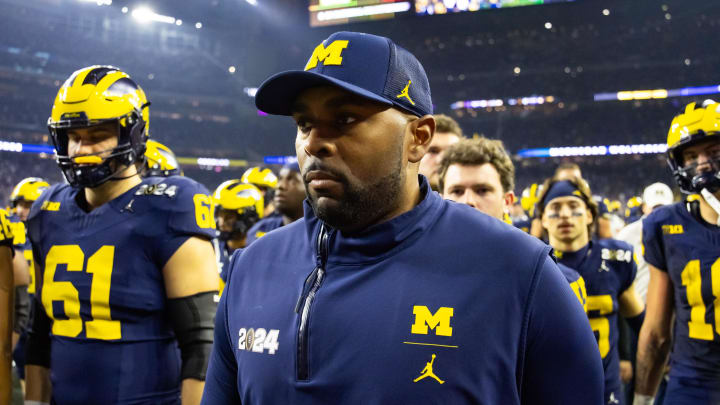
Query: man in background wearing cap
{"x": 288, "y": 202}
{"x": 655, "y": 195}
{"x": 383, "y": 292}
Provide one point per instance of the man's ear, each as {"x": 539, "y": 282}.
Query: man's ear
{"x": 509, "y": 200}
{"x": 421, "y": 131}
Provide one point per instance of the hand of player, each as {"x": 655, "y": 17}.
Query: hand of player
{"x": 626, "y": 371}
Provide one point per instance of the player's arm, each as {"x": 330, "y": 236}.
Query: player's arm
{"x": 604, "y": 230}
{"x": 21, "y": 300}
{"x": 654, "y": 341}
{"x": 37, "y": 355}
{"x": 191, "y": 283}
{"x": 562, "y": 363}
{"x": 6, "y": 325}
{"x": 632, "y": 308}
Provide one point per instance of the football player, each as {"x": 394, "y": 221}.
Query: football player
{"x": 266, "y": 181}
{"x": 6, "y": 307}
{"x": 126, "y": 272}
{"x": 288, "y": 202}
{"x": 238, "y": 207}
{"x": 682, "y": 248}
{"x": 25, "y": 193}
{"x": 160, "y": 161}
{"x": 602, "y": 224}
{"x": 568, "y": 211}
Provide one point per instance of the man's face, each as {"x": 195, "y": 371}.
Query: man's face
{"x": 352, "y": 153}
{"x": 703, "y": 156}
{"x": 566, "y": 218}
{"x": 567, "y": 174}
{"x": 97, "y": 139}
{"x": 22, "y": 209}
{"x": 290, "y": 193}
{"x": 430, "y": 163}
{"x": 478, "y": 186}
{"x": 226, "y": 220}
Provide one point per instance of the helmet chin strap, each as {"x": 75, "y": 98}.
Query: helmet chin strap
{"x": 713, "y": 202}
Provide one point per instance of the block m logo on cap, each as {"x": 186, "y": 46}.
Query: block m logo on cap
{"x": 330, "y": 55}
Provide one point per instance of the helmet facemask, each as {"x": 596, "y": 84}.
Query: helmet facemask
{"x": 688, "y": 177}
{"x": 243, "y": 222}
{"x": 131, "y": 145}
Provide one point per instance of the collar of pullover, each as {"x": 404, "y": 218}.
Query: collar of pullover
{"x": 380, "y": 240}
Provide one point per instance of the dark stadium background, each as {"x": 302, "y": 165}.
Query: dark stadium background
{"x": 199, "y": 108}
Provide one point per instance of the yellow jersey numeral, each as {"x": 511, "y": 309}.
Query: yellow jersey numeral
{"x": 100, "y": 265}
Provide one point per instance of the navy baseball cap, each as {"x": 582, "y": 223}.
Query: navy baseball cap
{"x": 368, "y": 65}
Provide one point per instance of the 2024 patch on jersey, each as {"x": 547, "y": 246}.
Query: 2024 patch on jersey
{"x": 101, "y": 284}
{"x": 689, "y": 251}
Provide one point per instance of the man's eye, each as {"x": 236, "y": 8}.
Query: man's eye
{"x": 303, "y": 126}
{"x": 346, "y": 120}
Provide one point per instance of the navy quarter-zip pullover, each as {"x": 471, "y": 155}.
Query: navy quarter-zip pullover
{"x": 440, "y": 305}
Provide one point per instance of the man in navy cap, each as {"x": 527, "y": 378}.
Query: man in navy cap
{"x": 288, "y": 201}
{"x": 382, "y": 283}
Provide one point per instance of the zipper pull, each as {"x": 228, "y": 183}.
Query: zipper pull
{"x": 309, "y": 281}
{"x": 321, "y": 254}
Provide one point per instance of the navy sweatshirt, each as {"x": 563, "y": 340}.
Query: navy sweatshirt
{"x": 440, "y": 305}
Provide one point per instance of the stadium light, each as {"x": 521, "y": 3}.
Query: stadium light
{"x": 548, "y": 25}
{"x": 253, "y": 2}
{"x": 520, "y": 101}
{"x": 145, "y": 15}
{"x": 343, "y": 13}
{"x": 595, "y": 150}
{"x": 124, "y": 10}
{"x": 657, "y": 93}
{"x": 178, "y": 22}
{"x": 231, "y": 69}
{"x": 98, "y": 2}
{"x": 198, "y": 25}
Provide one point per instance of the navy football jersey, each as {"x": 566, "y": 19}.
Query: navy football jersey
{"x": 22, "y": 245}
{"x": 101, "y": 284}
{"x": 222, "y": 256}
{"x": 265, "y": 225}
{"x": 689, "y": 251}
{"x": 523, "y": 223}
{"x": 6, "y": 234}
{"x": 608, "y": 268}
{"x": 577, "y": 283}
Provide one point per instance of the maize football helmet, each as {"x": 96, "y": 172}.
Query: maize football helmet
{"x": 694, "y": 125}
{"x": 92, "y": 96}
{"x": 160, "y": 161}
{"x": 244, "y": 199}
{"x": 29, "y": 189}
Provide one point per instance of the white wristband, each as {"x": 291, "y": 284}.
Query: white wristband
{"x": 641, "y": 399}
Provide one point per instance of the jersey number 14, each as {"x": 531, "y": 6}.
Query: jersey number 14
{"x": 691, "y": 279}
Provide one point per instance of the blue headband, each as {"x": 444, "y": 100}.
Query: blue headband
{"x": 564, "y": 188}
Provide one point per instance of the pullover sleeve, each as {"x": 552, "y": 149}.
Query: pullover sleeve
{"x": 221, "y": 381}
{"x": 562, "y": 362}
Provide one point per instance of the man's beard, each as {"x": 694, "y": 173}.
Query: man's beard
{"x": 360, "y": 205}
